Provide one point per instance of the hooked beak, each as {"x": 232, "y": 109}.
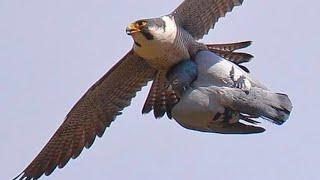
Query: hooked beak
{"x": 132, "y": 28}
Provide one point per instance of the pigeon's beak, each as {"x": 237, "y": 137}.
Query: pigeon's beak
{"x": 133, "y": 28}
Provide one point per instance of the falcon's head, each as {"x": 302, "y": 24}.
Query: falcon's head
{"x": 156, "y": 29}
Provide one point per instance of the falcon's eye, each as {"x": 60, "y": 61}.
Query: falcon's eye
{"x": 142, "y": 23}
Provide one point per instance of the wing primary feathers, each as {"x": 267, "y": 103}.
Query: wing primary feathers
{"x": 90, "y": 116}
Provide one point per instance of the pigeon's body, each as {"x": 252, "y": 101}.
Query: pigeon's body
{"x": 220, "y": 95}
{"x": 214, "y": 70}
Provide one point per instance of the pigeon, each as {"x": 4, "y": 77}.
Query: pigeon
{"x": 218, "y": 96}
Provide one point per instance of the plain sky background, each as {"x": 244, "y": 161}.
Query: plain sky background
{"x": 51, "y": 52}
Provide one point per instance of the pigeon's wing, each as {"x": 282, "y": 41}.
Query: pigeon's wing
{"x": 199, "y": 16}
{"x": 236, "y": 128}
{"x": 224, "y": 128}
{"x": 90, "y": 116}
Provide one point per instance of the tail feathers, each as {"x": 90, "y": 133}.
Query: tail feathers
{"x": 160, "y": 99}
{"x": 275, "y": 107}
{"x": 226, "y": 51}
{"x": 229, "y": 46}
{"x": 235, "y": 57}
{"x": 151, "y": 98}
{"x": 279, "y": 109}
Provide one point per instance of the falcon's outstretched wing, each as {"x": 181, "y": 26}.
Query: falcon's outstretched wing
{"x": 198, "y": 16}
{"x": 90, "y": 116}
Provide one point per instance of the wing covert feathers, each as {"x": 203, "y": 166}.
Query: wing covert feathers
{"x": 199, "y": 16}
{"x": 90, "y": 116}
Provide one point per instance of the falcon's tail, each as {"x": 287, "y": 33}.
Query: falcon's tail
{"x": 226, "y": 51}
{"x": 160, "y": 99}
{"x": 229, "y": 46}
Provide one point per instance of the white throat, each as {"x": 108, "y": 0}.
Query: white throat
{"x": 164, "y": 50}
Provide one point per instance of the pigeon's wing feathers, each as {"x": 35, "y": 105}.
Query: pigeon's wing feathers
{"x": 199, "y": 16}
{"x": 225, "y": 128}
{"x": 90, "y": 116}
{"x": 256, "y": 102}
{"x": 237, "y": 128}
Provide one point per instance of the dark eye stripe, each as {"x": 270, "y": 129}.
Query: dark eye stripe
{"x": 147, "y": 34}
{"x": 137, "y": 43}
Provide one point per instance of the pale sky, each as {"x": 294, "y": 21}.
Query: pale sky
{"x": 51, "y": 52}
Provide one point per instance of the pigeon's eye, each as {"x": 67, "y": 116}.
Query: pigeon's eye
{"x": 176, "y": 81}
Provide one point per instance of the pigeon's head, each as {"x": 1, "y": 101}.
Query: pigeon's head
{"x": 145, "y": 31}
{"x": 181, "y": 75}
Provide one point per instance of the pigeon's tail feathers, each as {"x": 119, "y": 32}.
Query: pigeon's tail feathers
{"x": 275, "y": 107}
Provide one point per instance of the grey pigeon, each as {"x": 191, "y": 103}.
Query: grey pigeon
{"x": 215, "y": 94}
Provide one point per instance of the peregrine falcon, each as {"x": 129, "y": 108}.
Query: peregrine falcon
{"x": 159, "y": 43}
{"x": 216, "y": 94}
